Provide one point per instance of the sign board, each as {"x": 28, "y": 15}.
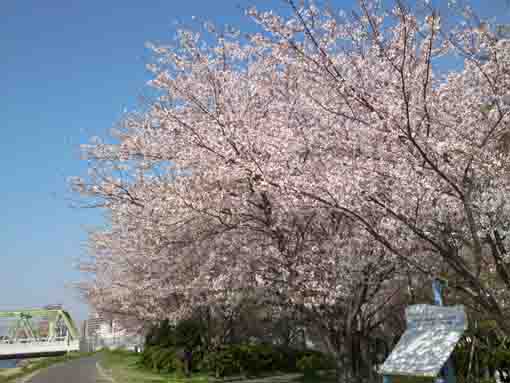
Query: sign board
{"x": 431, "y": 335}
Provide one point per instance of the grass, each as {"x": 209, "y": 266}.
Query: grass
{"x": 123, "y": 367}
{"x": 7, "y": 372}
{"x": 321, "y": 377}
{"x": 330, "y": 377}
{"x": 404, "y": 379}
{"x": 10, "y": 374}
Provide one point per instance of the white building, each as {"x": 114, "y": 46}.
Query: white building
{"x": 101, "y": 332}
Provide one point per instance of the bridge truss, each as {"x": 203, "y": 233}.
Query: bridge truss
{"x": 37, "y": 332}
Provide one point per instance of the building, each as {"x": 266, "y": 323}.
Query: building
{"x": 92, "y": 325}
{"x": 100, "y": 332}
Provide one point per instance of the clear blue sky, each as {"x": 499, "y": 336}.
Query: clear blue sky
{"x": 68, "y": 68}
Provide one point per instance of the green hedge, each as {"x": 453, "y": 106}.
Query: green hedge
{"x": 241, "y": 359}
{"x": 252, "y": 360}
{"x": 486, "y": 350}
{"x": 161, "y": 359}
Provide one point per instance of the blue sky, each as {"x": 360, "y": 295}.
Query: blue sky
{"x": 67, "y": 71}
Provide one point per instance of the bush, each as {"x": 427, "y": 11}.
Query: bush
{"x": 256, "y": 359}
{"x": 189, "y": 334}
{"x": 161, "y": 334}
{"x": 490, "y": 351}
{"x": 163, "y": 360}
{"x": 227, "y": 360}
{"x": 307, "y": 365}
{"x": 165, "y": 345}
{"x": 310, "y": 364}
{"x": 159, "y": 359}
{"x": 223, "y": 362}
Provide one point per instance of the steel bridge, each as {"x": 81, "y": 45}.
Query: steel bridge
{"x": 36, "y": 333}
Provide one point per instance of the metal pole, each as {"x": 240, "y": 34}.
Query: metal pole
{"x": 448, "y": 370}
{"x": 437, "y": 287}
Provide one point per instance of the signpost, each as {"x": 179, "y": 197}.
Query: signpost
{"x": 425, "y": 347}
{"x": 448, "y": 369}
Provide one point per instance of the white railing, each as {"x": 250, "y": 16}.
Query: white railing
{"x": 62, "y": 339}
{"x": 38, "y": 346}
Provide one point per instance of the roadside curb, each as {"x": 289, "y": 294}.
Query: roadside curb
{"x": 104, "y": 376}
{"x": 26, "y": 378}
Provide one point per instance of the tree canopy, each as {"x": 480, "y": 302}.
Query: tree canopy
{"x": 324, "y": 162}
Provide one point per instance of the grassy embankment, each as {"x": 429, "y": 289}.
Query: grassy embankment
{"x": 122, "y": 366}
{"x": 11, "y": 374}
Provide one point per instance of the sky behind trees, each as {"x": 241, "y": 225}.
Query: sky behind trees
{"x": 68, "y": 70}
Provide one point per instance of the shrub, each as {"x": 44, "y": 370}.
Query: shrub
{"x": 310, "y": 363}
{"x": 485, "y": 349}
{"x": 147, "y": 355}
{"x": 222, "y": 362}
{"x": 307, "y": 364}
{"x": 161, "y": 334}
{"x": 189, "y": 334}
{"x": 163, "y": 360}
{"x": 252, "y": 360}
{"x": 237, "y": 359}
{"x": 159, "y": 359}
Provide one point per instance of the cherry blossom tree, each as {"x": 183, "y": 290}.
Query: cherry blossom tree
{"x": 325, "y": 268}
{"x": 319, "y": 161}
{"x": 422, "y": 150}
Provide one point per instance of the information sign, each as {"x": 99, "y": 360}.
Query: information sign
{"x": 431, "y": 335}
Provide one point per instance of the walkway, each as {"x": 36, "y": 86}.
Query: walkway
{"x": 76, "y": 371}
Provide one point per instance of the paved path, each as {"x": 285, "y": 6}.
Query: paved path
{"x": 76, "y": 371}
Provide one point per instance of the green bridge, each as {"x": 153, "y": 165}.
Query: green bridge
{"x": 37, "y": 332}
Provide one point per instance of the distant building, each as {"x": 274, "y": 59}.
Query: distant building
{"x": 92, "y": 325}
{"x": 83, "y": 329}
{"x": 98, "y": 326}
{"x": 101, "y": 332}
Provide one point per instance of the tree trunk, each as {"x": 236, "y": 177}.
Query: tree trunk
{"x": 339, "y": 369}
{"x": 471, "y": 356}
